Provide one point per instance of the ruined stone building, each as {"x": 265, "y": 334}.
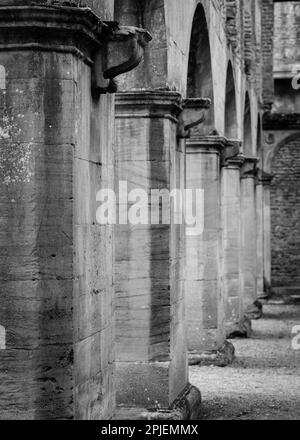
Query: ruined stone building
{"x": 100, "y": 321}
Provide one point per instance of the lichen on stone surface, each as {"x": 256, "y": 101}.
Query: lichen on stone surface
{"x": 15, "y": 156}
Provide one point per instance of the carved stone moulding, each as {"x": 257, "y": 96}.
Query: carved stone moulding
{"x": 209, "y": 144}
{"x": 232, "y": 156}
{"x": 249, "y": 170}
{"x": 149, "y": 104}
{"x": 264, "y": 178}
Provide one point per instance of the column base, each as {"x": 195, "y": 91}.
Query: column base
{"x": 242, "y": 329}
{"x": 186, "y": 407}
{"x": 268, "y": 290}
{"x": 218, "y": 358}
{"x": 254, "y": 311}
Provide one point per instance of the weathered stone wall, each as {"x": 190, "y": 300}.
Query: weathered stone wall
{"x": 286, "y": 57}
{"x": 286, "y": 38}
{"x": 267, "y": 51}
{"x": 285, "y": 205}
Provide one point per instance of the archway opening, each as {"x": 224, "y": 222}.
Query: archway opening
{"x": 248, "y": 148}
{"x": 231, "y": 131}
{"x": 200, "y": 80}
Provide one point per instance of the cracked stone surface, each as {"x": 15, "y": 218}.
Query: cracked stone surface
{"x": 263, "y": 383}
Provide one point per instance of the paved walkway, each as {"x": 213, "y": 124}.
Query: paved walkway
{"x": 263, "y": 383}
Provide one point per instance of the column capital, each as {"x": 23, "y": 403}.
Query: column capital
{"x": 249, "y": 169}
{"x": 193, "y": 114}
{"x": 156, "y": 104}
{"x": 209, "y": 144}
{"x": 263, "y": 178}
{"x": 232, "y": 157}
{"x": 76, "y": 30}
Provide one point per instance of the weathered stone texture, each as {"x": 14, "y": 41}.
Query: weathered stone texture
{"x": 36, "y": 235}
{"x": 286, "y": 38}
{"x": 267, "y": 51}
{"x": 103, "y": 8}
{"x": 285, "y": 205}
{"x": 151, "y": 362}
{"x": 204, "y": 306}
{"x": 56, "y": 267}
{"x": 59, "y": 269}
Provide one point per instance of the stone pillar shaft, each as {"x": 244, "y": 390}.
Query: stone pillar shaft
{"x": 251, "y": 306}
{"x": 266, "y": 180}
{"x": 260, "y": 239}
{"x": 236, "y": 323}
{"x": 55, "y": 308}
{"x": 205, "y": 305}
{"x": 151, "y": 353}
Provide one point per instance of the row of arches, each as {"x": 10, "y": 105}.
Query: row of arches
{"x": 200, "y": 84}
{"x": 198, "y": 79}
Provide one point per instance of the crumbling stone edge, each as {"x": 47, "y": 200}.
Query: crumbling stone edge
{"x": 241, "y": 329}
{"x": 255, "y": 311}
{"x": 218, "y": 358}
{"x": 186, "y": 407}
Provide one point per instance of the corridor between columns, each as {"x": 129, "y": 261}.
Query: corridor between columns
{"x": 263, "y": 383}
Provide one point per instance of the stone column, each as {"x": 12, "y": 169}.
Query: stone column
{"x": 260, "y": 236}
{"x": 56, "y": 263}
{"x": 205, "y": 300}
{"x": 266, "y": 180}
{"x": 152, "y": 373}
{"x": 237, "y": 325}
{"x": 251, "y": 306}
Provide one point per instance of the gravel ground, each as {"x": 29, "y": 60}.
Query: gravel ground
{"x": 263, "y": 383}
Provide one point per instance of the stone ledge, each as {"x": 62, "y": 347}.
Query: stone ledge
{"x": 150, "y": 104}
{"x": 218, "y": 358}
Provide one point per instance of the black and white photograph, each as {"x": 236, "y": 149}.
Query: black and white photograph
{"x": 149, "y": 214}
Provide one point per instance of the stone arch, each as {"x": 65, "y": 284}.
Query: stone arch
{"x": 2, "y": 78}
{"x": 231, "y": 126}
{"x": 285, "y": 215}
{"x": 199, "y": 77}
{"x": 150, "y": 15}
{"x": 248, "y": 147}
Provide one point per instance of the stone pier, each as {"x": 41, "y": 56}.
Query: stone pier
{"x": 260, "y": 235}
{"x": 266, "y": 180}
{"x": 205, "y": 299}
{"x": 56, "y": 274}
{"x": 152, "y": 373}
{"x": 251, "y": 306}
{"x": 237, "y": 325}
